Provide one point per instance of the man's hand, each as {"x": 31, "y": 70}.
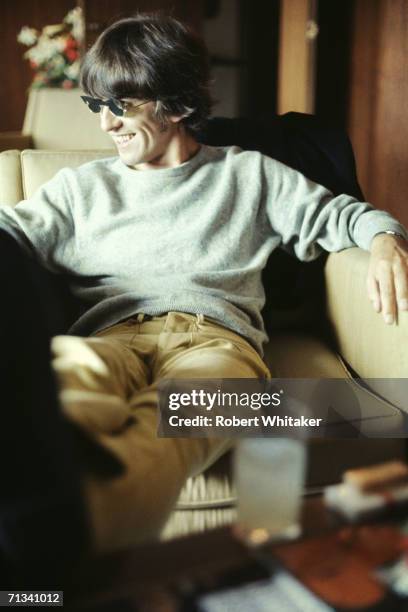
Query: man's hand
{"x": 387, "y": 280}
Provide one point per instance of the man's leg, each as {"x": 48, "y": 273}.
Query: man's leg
{"x": 135, "y": 506}
{"x": 42, "y": 515}
{"x": 97, "y": 378}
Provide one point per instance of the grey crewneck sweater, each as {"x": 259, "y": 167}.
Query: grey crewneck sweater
{"x": 193, "y": 238}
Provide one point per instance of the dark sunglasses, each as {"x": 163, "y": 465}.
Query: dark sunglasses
{"x": 117, "y": 107}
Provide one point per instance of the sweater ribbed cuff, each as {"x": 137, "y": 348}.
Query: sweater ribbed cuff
{"x": 378, "y": 221}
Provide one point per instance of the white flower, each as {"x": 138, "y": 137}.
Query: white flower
{"x": 52, "y": 31}
{"x": 76, "y": 19}
{"x": 59, "y": 43}
{"x": 73, "y": 15}
{"x": 48, "y": 47}
{"x": 27, "y": 36}
{"x": 44, "y": 50}
{"x": 72, "y": 71}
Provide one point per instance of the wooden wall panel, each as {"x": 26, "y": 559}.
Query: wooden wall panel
{"x": 333, "y": 60}
{"x": 296, "y": 73}
{"x": 378, "y": 116}
{"x": 101, "y": 13}
{"x": 259, "y": 52}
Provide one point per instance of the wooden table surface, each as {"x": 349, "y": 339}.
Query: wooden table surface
{"x": 334, "y": 560}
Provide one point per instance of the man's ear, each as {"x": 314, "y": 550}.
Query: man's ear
{"x": 177, "y": 118}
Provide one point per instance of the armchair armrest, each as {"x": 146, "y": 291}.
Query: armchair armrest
{"x": 15, "y": 140}
{"x": 372, "y": 348}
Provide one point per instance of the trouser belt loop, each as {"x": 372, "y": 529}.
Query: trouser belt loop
{"x": 140, "y": 317}
{"x": 199, "y": 318}
{"x": 167, "y": 322}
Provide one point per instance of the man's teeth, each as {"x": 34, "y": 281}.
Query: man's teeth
{"x": 124, "y": 138}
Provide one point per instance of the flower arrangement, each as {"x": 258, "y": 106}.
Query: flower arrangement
{"x": 54, "y": 53}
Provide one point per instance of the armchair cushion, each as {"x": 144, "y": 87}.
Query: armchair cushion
{"x": 304, "y": 356}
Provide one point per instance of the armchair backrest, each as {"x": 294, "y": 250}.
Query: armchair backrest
{"x": 11, "y": 181}
{"x": 38, "y": 167}
{"x": 22, "y": 173}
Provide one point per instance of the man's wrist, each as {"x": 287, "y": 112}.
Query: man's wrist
{"x": 390, "y": 233}
{"x": 385, "y": 234}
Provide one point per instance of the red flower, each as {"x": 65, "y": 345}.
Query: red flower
{"x": 71, "y": 54}
{"x": 71, "y": 49}
{"x": 71, "y": 43}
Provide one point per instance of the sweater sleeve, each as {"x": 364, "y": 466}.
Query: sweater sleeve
{"x": 309, "y": 218}
{"x": 43, "y": 225}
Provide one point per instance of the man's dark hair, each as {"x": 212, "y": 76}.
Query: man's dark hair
{"x": 152, "y": 57}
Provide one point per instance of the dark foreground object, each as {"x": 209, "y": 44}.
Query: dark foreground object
{"x": 42, "y": 516}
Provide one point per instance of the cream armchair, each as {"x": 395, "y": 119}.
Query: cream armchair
{"x": 363, "y": 343}
{"x": 57, "y": 119}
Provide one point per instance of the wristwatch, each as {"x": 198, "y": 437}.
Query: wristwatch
{"x": 391, "y": 232}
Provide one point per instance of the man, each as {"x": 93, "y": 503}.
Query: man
{"x": 165, "y": 246}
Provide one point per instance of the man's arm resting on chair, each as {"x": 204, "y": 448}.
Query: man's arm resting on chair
{"x": 308, "y": 219}
{"x": 387, "y": 279}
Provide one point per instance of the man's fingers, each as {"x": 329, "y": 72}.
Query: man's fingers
{"x": 385, "y": 277}
{"x": 387, "y": 280}
{"x": 401, "y": 283}
{"x": 373, "y": 292}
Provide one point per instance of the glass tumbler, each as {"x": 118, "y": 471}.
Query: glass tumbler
{"x": 269, "y": 477}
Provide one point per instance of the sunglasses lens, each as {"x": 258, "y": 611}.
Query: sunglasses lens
{"x": 115, "y": 108}
{"x": 93, "y": 104}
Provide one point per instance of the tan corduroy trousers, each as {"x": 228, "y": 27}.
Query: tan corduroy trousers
{"x": 108, "y": 385}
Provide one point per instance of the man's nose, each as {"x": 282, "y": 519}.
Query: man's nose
{"x": 109, "y": 121}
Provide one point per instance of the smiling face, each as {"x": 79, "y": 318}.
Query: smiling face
{"x": 142, "y": 140}
{"x": 159, "y": 62}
